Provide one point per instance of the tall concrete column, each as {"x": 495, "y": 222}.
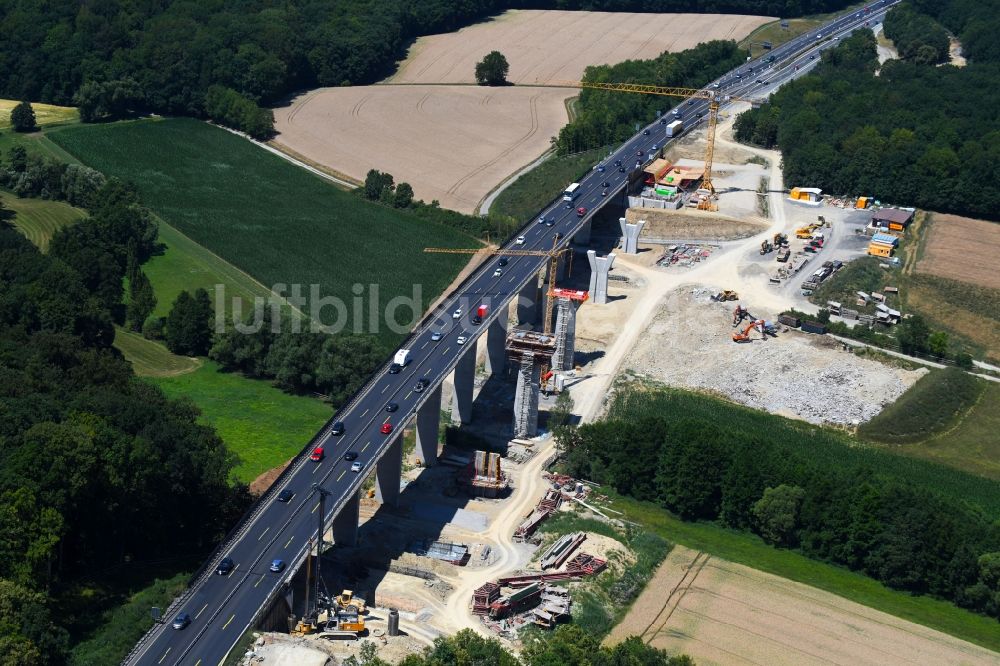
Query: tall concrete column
{"x": 565, "y": 331}
{"x": 599, "y": 269}
{"x": 582, "y": 237}
{"x": 527, "y": 303}
{"x": 630, "y": 233}
{"x": 345, "y": 523}
{"x": 428, "y": 425}
{"x": 526, "y": 398}
{"x": 388, "y": 471}
{"x": 464, "y": 377}
{"x": 496, "y": 337}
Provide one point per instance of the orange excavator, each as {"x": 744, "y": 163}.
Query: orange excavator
{"x": 744, "y": 335}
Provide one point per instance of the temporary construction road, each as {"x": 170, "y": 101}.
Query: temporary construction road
{"x": 222, "y": 608}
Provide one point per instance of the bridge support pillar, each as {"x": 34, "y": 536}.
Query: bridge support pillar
{"x": 345, "y": 523}
{"x": 599, "y": 269}
{"x": 388, "y": 471}
{"x": 582, "y": 237}
{"x": 565, "y": 331}
{"x": 526, "y": 397}
{"x": 428, "y": 426}
{"x": 527, "y": 303}
{"x": 496, "y": 337}
{"x": 464, "y": 378}
{"x": 630, "y": 234}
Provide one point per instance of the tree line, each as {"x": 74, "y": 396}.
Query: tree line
{"x": 229, "y": 60}
{"x": 975, "y": 23}
{"x": 605, "y": 117}
{"x": 917, "y": 37}
{"x": 914, "y": 134}
{"x": 912, "y": 525}
{"x": 101, "y": 476}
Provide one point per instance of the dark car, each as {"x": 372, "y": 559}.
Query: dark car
{"x": 621, "y": 169}
{"x": 391, "y": 407}
{"x": 605, "y": 184}
{"x": 663, "y": 121}
{"x": 421, "y": 384}
{"x": 690, "y": 101}
{"x": 395, "y": 368}
{"x": 351, "y": 455}
{"x": 645, "y": 132}
{"x": 286, "y": 495}
{"x": 225, "y": 566}
{"x": 477, "y": 320}
{"x": 639, "y": 153}
{"x": 558, "y": 235}
{"x": 550, "y": 221}
{"x": 338, "y": 428}
{"x": 812, "y": 57}
{"x": 277, "y": 566}
{"x": 604, "y": 193}
{"x": 698, "y": 114}
{"x": 182, "y": 620}
{"x": 618, "y": 162}
{"x": 503, "y": 261}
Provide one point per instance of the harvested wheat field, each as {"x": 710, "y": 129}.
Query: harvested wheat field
{"x": 961, "y": 248}
{"x": 544, "y": 46}
{"x": 456, "y": 143}
{"x": 719, "y": 612}
{"x": 451, "y": 143}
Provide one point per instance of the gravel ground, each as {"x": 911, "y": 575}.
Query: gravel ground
{"x": 794, "y": 374}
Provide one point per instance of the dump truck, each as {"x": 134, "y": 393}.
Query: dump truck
{"x": 783, "y": 254}
{"x": 675, "y": 128}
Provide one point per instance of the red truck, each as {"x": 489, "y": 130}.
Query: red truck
{"x": 482, "y": 311}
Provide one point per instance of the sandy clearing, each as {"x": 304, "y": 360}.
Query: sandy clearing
{"x": 962, "y": 248}
{"x": 451, "y": 143}
{"x": 543, "y": 46}
{"x": 719, "y": 612}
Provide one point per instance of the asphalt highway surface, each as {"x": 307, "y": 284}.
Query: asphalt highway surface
{"x": 223, "y": 607}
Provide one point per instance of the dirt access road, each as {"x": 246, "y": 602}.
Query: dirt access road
{"x": 719, "y": 612}
{"x": 456, "y": 143}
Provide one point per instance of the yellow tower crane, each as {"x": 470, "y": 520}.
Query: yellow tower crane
{"x": 552, "y": 254}
{"x": 715, "y": 99}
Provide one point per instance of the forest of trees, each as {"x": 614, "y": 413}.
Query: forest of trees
{"x": 916, "y": 36}
{"x": 99, "y": 472}
{"x": 975, "y": 23}
{"x": 914, "y": 135}
{"x": 912, "y": 525}
{"x": 226, "y": 59}
{"x": 606, "y": 117}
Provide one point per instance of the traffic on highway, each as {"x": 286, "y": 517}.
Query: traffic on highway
{"x": 266, "y": 549}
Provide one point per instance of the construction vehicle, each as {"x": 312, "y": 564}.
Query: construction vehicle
{"x": 715, "y": 99}
{"x": 780, "y": 240}
{"x": 765, "y": 246}
{"x": 346, "y": 600}
{"x": 741, "y": 313}
{"x": 726, "y": 295}
{"x": 744, "y": 335}
{"x": 783, "y": 254}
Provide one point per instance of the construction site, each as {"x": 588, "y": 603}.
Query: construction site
{"x": 465, "y": 547}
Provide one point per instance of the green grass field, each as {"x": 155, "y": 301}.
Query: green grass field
{"x": 751, "y": 551}
{"x": 267, "y": 217}
{"x": 534, "y": 190}
{"x": 774, "y": 33}
{"x": 185, "y": 265}
{"x": 38, "y": 219}
{"x": 259, "y": 423}
{"x": 36, "y": 143}
{"x": 947, "y": 417}
{"x": 150, "y": 358}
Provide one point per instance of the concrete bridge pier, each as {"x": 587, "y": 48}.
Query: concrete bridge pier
{"x": 630, "y": 234}
{"x": 388, "y": 471}
{"x": 345, "y": 523}
{"x": 527, "y": 304}
{"x": 428, "y": 426}
{"x": 526, "y": 397}
{"x": 599, "y": 269}
{"x": 464, "y": 378}
{"x": 496, "y": 337}
{"x": 565, "y": 332}
{"x": 582, "y": 237}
